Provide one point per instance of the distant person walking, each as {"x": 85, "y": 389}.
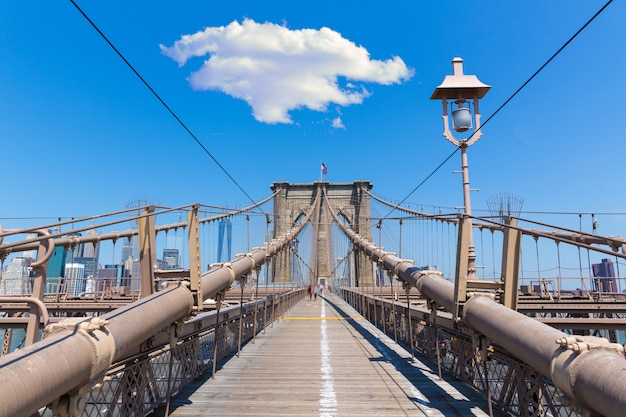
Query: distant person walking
{"x": 315, "y": 293}
{"x": 310, "y": 292}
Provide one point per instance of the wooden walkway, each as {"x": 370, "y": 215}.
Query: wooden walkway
{"x": 324, "y": 359}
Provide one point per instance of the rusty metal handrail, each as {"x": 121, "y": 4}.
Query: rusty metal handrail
{"x": 32, "y": 301}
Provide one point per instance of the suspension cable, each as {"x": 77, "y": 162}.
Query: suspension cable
{"x": 158, "y": 97}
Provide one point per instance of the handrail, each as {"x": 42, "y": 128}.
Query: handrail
{"x": 36, "y": 302}
{"x": 560, "y": 234}
{"x": 61, "y": 238}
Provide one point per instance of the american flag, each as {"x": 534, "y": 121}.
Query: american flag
{"x": 324, "y": 169}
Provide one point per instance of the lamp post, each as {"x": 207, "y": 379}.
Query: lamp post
{"x": 456, "y": 91}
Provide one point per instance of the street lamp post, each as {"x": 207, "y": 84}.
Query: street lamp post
{"x": 456, "y": 91}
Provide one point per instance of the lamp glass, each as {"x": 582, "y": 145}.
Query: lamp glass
{"x": 461, "y": 119}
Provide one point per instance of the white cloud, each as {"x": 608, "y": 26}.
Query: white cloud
{"x": 275, "y": 69}
{"x": 337, "y": 123}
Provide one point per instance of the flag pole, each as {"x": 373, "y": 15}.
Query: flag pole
{"x": 323, "y": 170}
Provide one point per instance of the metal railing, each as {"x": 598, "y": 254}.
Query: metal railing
{"x": 512, "y": 386}
{"x": 140, "y": 383}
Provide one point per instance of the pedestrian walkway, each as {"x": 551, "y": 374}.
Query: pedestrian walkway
{"x": 324, "y": 359}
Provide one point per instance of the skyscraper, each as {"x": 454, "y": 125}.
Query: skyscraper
{"x": 75, "y": 282}
{"x": 130, "y": 248}
{"x": 56, "y": 270}
{"x": 91, "y": 265}
{"x": 56, "y": 264}
{"x": 91, "y": 250}
{"x": 112, "y": 276}
{"x": 605, "y": 277}
{"x": 224, "y": 243}
{"x": 87, "y": 254}
{"x": 31, "y": 253}
{"x": 130, "y": 260}
{"x": 16, "y": 278}
{"x": 170, "y": 257}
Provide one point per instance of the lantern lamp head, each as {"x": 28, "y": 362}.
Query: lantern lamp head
{"x": 460, "y": 89}
{"x": 461, "y": 117}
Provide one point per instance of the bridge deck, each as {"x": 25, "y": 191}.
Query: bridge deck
{"x": 324, "y": 359}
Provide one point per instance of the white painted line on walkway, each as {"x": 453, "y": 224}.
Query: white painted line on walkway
{"x": 328, "y": 399}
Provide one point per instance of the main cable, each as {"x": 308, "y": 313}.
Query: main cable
{"x": 184, "y": 126}
{"x": 547, "y": 62}
{"x": 506, "y": 101}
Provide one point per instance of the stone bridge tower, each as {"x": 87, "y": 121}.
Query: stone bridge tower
{"x": 292, "y": 201}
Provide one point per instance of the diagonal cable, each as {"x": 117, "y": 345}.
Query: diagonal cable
{"x": 184, "y": 126}
{"x": 507, "y": 100}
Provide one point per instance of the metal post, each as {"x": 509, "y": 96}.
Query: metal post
{"x": 147, "y": 252}
{"x": 393, "y": 307}
{"x": 400, "y": 240}
{"x": 462, "y": 265}
{"x": 45, "y": 250}
{"x": 363, "y": 302}
{"x": 490, "y": 407}
{"x": 256, "y": 305}
{"x": 510, "y": 263}
{"x": 380, "y": 282}
{"x": 218, "y": 305}
{"x": 273, "y": 302}
{"x": 433, "y": 310}
{"x": 382, "y": 303}
{"x": 407, "y": 289}
{"x": 173, "y": 341}
{"x": 265, "y": 313}
{"x": 471, "y": 255}
{"x": 242, "y": 283}
{"x": 193, "y": 236}
{"x": 375, "y": 306}
{"x": 248, "y": 227}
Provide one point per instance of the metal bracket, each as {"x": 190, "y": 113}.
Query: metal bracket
{"x": 76, "y": 323}
{"x": 581, "y": 344}
{"x": 73, "y": 403}
{"x": 218, "y": 300}
{"x": 95, "y": 330}
{"x": 399, "y": 264}
{"x": 484, "y": 346}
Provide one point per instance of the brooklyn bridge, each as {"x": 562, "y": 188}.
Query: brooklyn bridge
{"x": 323, "y": 309}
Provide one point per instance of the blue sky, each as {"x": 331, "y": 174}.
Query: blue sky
{"x": 82, "y": 135}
